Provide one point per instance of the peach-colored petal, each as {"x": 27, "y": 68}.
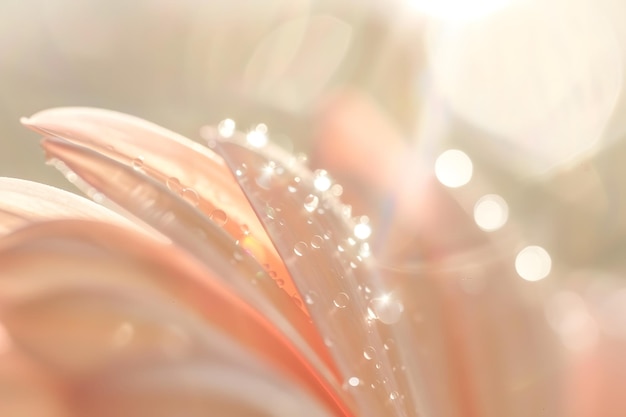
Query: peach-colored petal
{"x": 151, "y": 202}
{"x": 23, "y": 202}
{"x": 188, "y": 169}
{"x": 88, "y": 259}
{"x": 327, "y": 256}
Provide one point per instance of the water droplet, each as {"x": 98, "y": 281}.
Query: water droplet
{"x": 369, "y": 353}
{"x": 226, "y": 128}
{"x": 317, "y": 241}
{"x": 364, "y": 250}
{"x": 137, "y": 163}
{"x": 321, "y": 180}
{"x": 257, "y": 137}
{"x": 280, "y": 282}
{"x": 393, "y": 395}
{"x": 341, "y": 300}
{"x": 346, "y": 211}
{"x": 386, "y": 309}
{"x": 219, "y": 217}
{"x": 362, "y": 230}
{"x": 300, "y": 248}
{"x": 293, "y": 185}
{"x": 310, "y": 298}
{"x": 174, "y": 185}
{"x": 310, "y": 202}
{"x": 191, "y": 196}
{"x": 243, "y": 168}
{"x": 354, "y": 381}
{"x": 245, "y": 230}
{"x": 238, "y": 256}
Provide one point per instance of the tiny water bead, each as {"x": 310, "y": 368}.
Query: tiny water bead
{"x": 300, "y": 248}
{"x": 226, "y": 128}
{"x": 321, "y": 180}
{"x": 369, "y": 353}
{"x": 243, "y": 168}
{"x": 137, "y": 163}
{"x": 341, "y": 300}
{"x": 310, "y": 202}
{"x": 219, "y": 217}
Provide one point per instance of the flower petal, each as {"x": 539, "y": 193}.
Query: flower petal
{"x": 126, "y": 269}
{"x": 187, "y": 168}
{"x": 23, "y": 202}
{"x": 327, "y": 257}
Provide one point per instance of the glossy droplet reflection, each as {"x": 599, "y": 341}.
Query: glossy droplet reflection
{"x": 317, "y": 241}
{"x": 311, "y": 202}
{"x": 341, "y": 300}
{"x": 321, "y": 180}
{"x": 219, "y": 217}
{"x": 300, "y": 248}
{"x": 362, "y": 230}
{"x": 354, "y": 381}
{"x": 137, "y": 163}
{"x": 533, "y": 263}
{"x": 174, "y": 185}
{"x": 257, "y": 137}
{"x": 191, "y": 196}
{"x": 454, "y": 168}
{"x": 369, "y": 353}
{"x": 386, "y": 309}
{"x": 226, "y": 128}
{"x": 491, "y": 212}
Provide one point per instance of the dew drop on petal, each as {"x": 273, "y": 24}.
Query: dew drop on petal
{"x": 317, "y": 241}
{"x": 137, "y": 163}
{"x": 369, "y": 353}
{"x": 243, "y": 168}
{"x": 341, "y": 300}
{"x": 362, "y": 230}
{"x": 226, "y": 128}
{"x": 310, "y": 202}
{"x": 257, "y": 137}
{"x": 393, "y": 395}
{"x": 336, "y": 190}
{"x": 300, "y": 248}
{"x": 191, "y": 196}
{"x": 219, "y": 217}
{"x": 174, "y": 185}
{"x": 386, "y": 309}
{"x": 354, "y": 381}
{"x": 321, "y": 180}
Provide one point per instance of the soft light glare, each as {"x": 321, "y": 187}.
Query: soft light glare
{"x": 454, "y": 168}
{"x": 458, "y": 9}
{"x": 533, "y": 263}
{"x": 491, "y": 212}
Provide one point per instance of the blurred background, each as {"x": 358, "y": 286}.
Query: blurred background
{"x": 528, "y": 92}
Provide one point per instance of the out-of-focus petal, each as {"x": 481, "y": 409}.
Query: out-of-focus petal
{"x": 187, "y": 168}
{"x": 23, "y": 202}
{"x": 326, "y": 252}
{"x": 143, "y": 285}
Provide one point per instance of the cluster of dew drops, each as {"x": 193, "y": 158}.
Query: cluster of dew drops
{"x": 383, "y": 308}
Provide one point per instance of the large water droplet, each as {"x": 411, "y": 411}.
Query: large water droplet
{"x": 341, "y": 300}
{"x": 257, "y": 137}
{"x": 219, "y": 217}
{"x": 386, "y": 309}
{"x": 354, "y": 381}
{"x": 362, "y": 229}
{"x": 310, "y": 202}
{"x": 369, "y": 353}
